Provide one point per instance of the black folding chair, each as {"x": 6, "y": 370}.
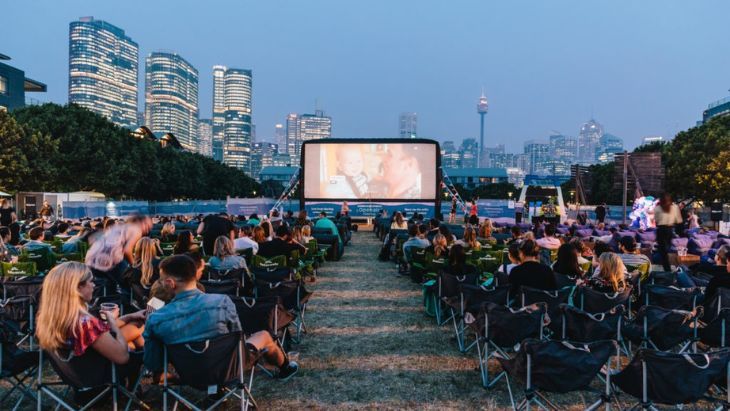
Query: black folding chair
{"x": 226, "y": 287}
{"x": 499, "y": 329}
{"x": 564, "y": 280}
{"x": 469, "y": 300}
{"x": 664, "y": 329}
{"x": 717, "y": 303}
{"x": 294, "y": 297}
{"x": 91, "y": 376}
{"x": 558, "y": 367}
{"x": 264, "y": 314}
{"x": 670, "y": 378}
{"x": 715, "y": 333}
{"x": 16, "y": 366}
{"x": 446, "y": 287}
{"x": 215, "y": 365}
{"x": 592, "y": 301}
{"x": 671, "y": 297}
{"x": 19, "y": 303}
{"x": 553, "y": 299}
{"x": 584, "y": 327}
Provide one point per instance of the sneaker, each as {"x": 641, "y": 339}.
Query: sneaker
{"x": 289, "y": 371}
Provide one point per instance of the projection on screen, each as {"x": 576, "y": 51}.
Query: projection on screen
{"x": 398, "y": 171}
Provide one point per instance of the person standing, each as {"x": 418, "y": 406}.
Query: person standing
{"x": 214, "y": 226}
{"x": 601, "y": 212}
{"x": 473, "y": 213}
{"x": 7, "y": 214}
{"x": 667, "y": 216}
{"x": 345, "y": 209}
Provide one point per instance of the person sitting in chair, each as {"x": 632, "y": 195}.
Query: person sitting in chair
{"x": 194, "y": 316}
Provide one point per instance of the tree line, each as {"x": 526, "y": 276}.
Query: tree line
{"x": 56, "y": 148}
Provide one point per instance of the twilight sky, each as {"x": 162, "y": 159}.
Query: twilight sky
{"x": 640, "y": 68}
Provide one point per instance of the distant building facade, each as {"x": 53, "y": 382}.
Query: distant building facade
{"x": 473, "y": 177}
{"x": 219, "y": 112}
{"x": 408, "y": 125}
{"x": 716, "y": 109}
{"x": 237, "y": 126}
{"x": 103, "y": 70}
{"x": 14, "y": 85}
{"x": 205, "y": 137}
{"x": 171, "y": 97}
{"x": 588, "y": 142}
{"x": 305, "y": 127}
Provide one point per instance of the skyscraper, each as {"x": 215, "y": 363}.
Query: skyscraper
{"x": 538, "y": 155}
{"x": 609, "y": 145}
{"x": 219, "y": 112}
{"x": 408, "y": 123}
{"x": 292, "y": 137}
{"x": 205, "y": 137}
{"x": 588, "y": 142}
{"x": 103, "y": 64}
{"x": 262, "y": 155}
{"x": 468, "y": 153}
{"x": 237, "y": 85}
{"x": 449, "y": 155}
{"x": 305, "y": 127}
{"x": 482, "y": 108}
{"x": 171, "y": 97}
{"x": 280, "y": 136}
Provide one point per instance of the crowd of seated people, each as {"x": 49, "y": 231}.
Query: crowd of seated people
{"x": 125, "y": 257}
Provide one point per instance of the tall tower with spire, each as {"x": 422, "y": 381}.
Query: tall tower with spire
{"x": 482, "y": 108}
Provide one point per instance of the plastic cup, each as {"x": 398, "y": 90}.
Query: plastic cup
{"x": 106, "y": 307}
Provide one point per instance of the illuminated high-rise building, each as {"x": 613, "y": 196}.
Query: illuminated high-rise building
{"x": 280, "y": 136}
{"x": 237, "y": 137}
{"x": 219, "y": 112}
{"x": 171, "y": 97}
{"x": 103, "y": 67}
{"x": 292, "y": 137}
{"x": 589, "y": 142}
{"x": 305, "y": 127}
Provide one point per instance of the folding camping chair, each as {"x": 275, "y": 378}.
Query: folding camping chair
{"x": 44, "y": 259}
{"x": 294, "y": 297}
{"x": 447, "y": 287}
{"x": 669, "y": 378}
{"x": 543, "y": 366}
{"x": 671, "y": 297}
{"x": 16, "y": 366}
{"x": 664, "y": 329}
{"x": 20, "y": 299}
{"x": 715, "y": 333}
{"x": 720, "y": 301}
{"x": 592, "y": 301}
{"x": 91, "y": 376}
{"x": 499, "y": 328}
{"x": 226, "y": 287}
{"x": 18, "y": 269}
{"x": 584, "y": 327}
{"x": 469, "y": 300}
{"x": 553, "y": 299}
{"x": 213, "y": 365}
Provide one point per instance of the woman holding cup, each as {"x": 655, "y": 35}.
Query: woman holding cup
{"x": 65, "y": 324}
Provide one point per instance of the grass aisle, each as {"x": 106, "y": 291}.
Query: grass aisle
{"x": 370, "y": 346}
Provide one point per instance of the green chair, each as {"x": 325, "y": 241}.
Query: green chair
{"x": 19, "y": 269}
{"x": 83, "y": 248}
{"x": 62, "y": 258}
{"x": 315, "y": 251}
{"x": 167, "y": 248}
{"x": 43, "y": 258}
{"x": 280, "y": 261}
{"x": 246, "y": 253}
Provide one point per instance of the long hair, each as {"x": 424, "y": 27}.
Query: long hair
{"x": 470, "y": 239}
{"x": 167, "y": 230}
{"x": 268, "y": 228}
{"x": 485, "y": 229}
{"x": 258, "y": 234}
{"x": 398, "y": 218}
{"x": 457, "y": 257}
{"x": 567, "y": 262}
{"x": 145, "y": 254}
{"x": 184, "y": 242}
{"x": 61, "y": 304}
{"x": 612, "y": 270}
{"x": 439, "y": 245}
{"x": 223, "y": 247}
{"x": 296, "y": 234}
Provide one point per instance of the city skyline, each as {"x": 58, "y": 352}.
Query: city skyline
{"x": 642, "y": 80}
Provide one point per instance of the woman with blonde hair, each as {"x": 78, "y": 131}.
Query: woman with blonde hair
{"x": 307, "y": 234}
{"x": 224, "y": 255}
{"x": 485, "y": 229}
{"x": 611, "y": 277}
{"x": 439, "y": 246}
{"x": 167, "y": 234}
{"x": 64, "y": 323}
{"x": 145, "y": 269}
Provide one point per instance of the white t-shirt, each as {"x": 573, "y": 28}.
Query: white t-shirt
{"x": 243, "y": 243}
